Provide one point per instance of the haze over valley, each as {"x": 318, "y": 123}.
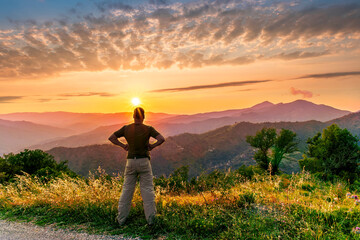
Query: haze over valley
{"x": 205, "y": 141}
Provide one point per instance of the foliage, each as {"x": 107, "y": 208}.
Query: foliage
{"x": 178, "y": 182}
{"x": 298, "y": 206}
{"x": 33, "y": 162}
{"x": 334, "y": 152}
{"x": 272, "y": 147}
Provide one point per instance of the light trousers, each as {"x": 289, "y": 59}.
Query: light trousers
{"x": 138, "y": 167}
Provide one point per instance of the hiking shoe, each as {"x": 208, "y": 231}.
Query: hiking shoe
{"x": 152, "y": 220}
{"x": 120, "y": 221}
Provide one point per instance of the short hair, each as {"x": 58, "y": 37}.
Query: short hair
{"x": 139, "y": 113}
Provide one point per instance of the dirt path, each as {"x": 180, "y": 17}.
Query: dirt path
{"x": 27, "y": 231}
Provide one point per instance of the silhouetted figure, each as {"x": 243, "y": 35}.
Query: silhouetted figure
{"x": 138, "y": 164}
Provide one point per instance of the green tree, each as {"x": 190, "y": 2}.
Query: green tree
{"x": 272, "y": 147}
{"x": 34, "y": 162}
{"x": 263, "y": 140}
{"x": 285, "y": 143}
{"x": 334, "y": 151}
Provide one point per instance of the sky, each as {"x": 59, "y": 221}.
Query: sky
{"x": 177, "y": 56}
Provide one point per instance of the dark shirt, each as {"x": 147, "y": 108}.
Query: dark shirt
{"x": 137, "y": 137}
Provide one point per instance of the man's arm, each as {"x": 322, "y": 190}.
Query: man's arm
{"x": 115, "y": 141}
{"x": 159, "y": 140}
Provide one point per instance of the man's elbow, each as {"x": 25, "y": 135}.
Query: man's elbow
{"x": 161, "y": 139}
{"x": 112, "y": 138}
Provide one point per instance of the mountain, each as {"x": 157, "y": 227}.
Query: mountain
{"x": 299, "y": 110}
{"x": 17, "y": 135}
{"x": 99, "y": 135}
{"x": 350, "y": 122}
{"x": 296, "y": 111}
{"x": 217, "y": 149}
{"x": 79, "y": 122}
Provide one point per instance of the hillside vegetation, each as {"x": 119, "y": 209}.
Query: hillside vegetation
{"x": 218, "y": 149}
{"x": 249, "y": 202}
{"x": 94, "y": 128}
{"x": 232, "y": 205}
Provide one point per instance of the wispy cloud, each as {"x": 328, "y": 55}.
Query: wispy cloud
{"x": 87, "y": 94}
{"x": 43, "y": 100}
{"x": 300, "y": 55}
{"x": 209, "y": 86}
{"x": 304, "y": 93}
{"x": 9, "y": 99}
{"x": 330, "y": 75}
{"x": 161, "y": 34}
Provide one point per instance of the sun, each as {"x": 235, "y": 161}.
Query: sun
{"x": 135, "y": 101}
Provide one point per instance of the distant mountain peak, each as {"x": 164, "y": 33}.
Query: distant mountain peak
{"x": 263, "y": 105}
{"x": 302, "y": 101}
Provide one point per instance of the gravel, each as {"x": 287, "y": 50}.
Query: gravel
{"x": 29, "y": 231}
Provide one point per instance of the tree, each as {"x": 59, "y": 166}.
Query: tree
{"x": 335, "y": 151}
{"x": 272, "y": 147}
{"x": 285, "y": 144}
{"x": 34, "y": 162}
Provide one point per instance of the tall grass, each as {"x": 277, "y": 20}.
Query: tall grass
{"x": 297, "y": 206}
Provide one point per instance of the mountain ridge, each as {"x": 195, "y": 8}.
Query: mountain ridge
{"x": 200, "y": 123}
{"x": 96, "y": 127}
{"x": 221, "y": 148}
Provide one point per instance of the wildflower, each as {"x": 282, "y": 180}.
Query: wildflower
{"x": 348, "y": 195}
{"x": 356, "y": 230}
{"x": 357, "y": 202}
{"x": 354, "y": 196}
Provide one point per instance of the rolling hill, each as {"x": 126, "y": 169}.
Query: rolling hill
{"x": 217, "y": 149}
{"x": 15, "y": 135}
{"x": 221, "y": 148}
{"x": 78, "y": 122}
{"x": 299, "y": 110}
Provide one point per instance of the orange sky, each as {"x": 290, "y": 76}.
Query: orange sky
{"x": 178, "y": 63}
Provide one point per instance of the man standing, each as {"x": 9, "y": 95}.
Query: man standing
{"x": 137, "y": 136}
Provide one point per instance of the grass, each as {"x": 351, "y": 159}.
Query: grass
{"x": 297, "y": 206}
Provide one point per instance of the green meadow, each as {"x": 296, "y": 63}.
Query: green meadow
{"x": 238, "y": 204}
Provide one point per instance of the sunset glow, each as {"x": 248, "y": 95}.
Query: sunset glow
{"x": 177, "y": 56}
{"x": 135, "y": 102}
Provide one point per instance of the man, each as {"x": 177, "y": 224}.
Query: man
{"x": 137, "y": 136}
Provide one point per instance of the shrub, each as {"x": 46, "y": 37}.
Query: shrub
{"x": 34, "y": 162}
{"x": 334, "y": 152}
{"x": 272, "y": 147}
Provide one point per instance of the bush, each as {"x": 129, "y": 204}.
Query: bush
{"x": 334, "y": 152}
{"x": 176, "y": 182}
{"x": 34, "y": 162}
{"x": 272, "y": 147}
{"x": 248, "y": 172}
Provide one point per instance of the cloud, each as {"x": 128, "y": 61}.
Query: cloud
{"x": 9, "y": 99}
{"x": 162, "y": 34}
{"x": 112, "y": 5}
{"x": 209, "y": 86}
{"x": 43, "y": 100}
{"x": 246, "y": 90}
{"x": 87, "y": 94}
{"x": 330, "y": 75}
{"x": 300, "y": 55}
{"x": 304, "y": 93}
{"x": 159, "y": 2}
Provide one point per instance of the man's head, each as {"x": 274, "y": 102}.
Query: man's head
{"x": 139, "y": 113}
